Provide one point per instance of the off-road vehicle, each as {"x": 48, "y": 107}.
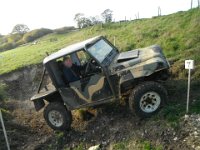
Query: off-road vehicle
{"x": 108, "y": 76}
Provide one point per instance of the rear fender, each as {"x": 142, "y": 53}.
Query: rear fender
{"x": 39, "y": 104}
{"x": 38, "y": 99}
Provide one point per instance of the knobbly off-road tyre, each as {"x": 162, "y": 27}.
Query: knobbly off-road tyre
{"x": 57, "y": 116}
{"x": 147, "y": 98}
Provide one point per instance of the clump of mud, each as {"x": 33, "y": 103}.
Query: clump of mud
{"x": 111, "y": 124}
{"x": 190, "y": 126}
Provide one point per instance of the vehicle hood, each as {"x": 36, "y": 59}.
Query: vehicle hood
{"x": 131, "y": 58}
{"x": 126, "y": 56}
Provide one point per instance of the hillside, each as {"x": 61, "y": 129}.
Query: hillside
{"x": 14, "y": 40}
{"x": 111, "y": 126}
{"x": 178, "y": 34}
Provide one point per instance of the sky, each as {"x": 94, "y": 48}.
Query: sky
{"x": 58, "y": 13}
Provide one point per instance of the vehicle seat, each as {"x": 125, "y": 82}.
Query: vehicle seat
{"x": 58, "y": 74}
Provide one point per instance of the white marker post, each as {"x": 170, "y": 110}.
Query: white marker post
{"x": 4, "y": 130}
{"x": 189, "y": 64}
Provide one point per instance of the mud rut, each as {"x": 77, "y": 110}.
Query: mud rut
{"x": 28, "y": 130}
{"x": 110, "y": 124}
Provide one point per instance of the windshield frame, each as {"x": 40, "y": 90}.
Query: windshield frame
{"x": 105, "y": 40}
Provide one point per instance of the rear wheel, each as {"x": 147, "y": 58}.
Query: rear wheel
{"x": 57, "y": 116}
{"x": 147, "y": 98}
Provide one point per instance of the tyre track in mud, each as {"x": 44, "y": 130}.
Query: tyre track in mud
{"x": 111, "y": 125}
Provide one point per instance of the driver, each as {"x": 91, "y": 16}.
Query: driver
{"x": 72, "y": 72}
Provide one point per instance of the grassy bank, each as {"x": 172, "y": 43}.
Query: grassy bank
{"x": 178, "y": 34}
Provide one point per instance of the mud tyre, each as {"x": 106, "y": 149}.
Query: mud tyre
{"x": 57, "y": 116}
{"x": 147, "y": 98}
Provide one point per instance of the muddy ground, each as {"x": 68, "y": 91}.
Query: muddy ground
{"x": 109, "y": 126}
{"x": 27, "y": 130}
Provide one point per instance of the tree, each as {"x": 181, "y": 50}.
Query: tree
{"x": 86, "y": 22}
{"x": 20, "y": 28}
{"x": 95, "y": 20}
{"x": 79, "y": 19}
{"x": 82, "y": 21}
{"x": 107, "y": 15}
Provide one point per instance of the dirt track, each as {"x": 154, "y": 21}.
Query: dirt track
{"x": 112, "y": 124}
{"x": 28, "y": 130}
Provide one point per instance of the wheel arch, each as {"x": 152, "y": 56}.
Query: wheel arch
{"x": 55, "y": 97}
{"x": 158, "y": 76}
{"x": 39, "y": 102}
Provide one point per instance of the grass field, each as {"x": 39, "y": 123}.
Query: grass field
{"x": 178, "y": 34}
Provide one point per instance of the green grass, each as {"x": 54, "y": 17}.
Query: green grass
{"x": 175, "y": 109}
{"x": 178, "y": 34}
{"x": 147, "y": 146}
{"x": 2, "y": 91}
{"x": 120, "y": 146}
{"x": 137, "y": 145}
{"x": 79, "y": 147}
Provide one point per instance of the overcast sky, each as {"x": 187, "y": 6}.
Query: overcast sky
{"x": 58, "y": 13}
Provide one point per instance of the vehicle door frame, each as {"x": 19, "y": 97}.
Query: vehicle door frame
{"x": 104, "y": 69}
{"x": 104, "y": 72}
{"x": 86, "y": 104}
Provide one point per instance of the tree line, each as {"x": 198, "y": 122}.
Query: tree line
{"x": 21, "y": 33}
{"x": 83, "y": 21}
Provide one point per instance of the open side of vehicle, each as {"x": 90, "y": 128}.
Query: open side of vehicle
{"x": 103, "y": 75}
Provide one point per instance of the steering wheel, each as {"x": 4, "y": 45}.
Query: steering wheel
{"x": 87, "y": 68}
{"x": 91, "y": 65}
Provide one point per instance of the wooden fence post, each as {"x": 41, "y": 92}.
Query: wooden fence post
{"x": 159, "y": 11}
{"x": 191, "y": 3}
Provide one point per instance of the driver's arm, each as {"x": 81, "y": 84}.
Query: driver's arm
{"x": 80, "y": 67}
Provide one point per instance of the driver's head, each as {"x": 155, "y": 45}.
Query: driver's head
{"x": 67, "y": 62}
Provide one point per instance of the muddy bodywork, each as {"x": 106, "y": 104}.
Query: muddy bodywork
{"x": 45, "y": 94}
{"x": 118, "y": 73}
{"x": 144, "y": 63}
{"x": 86, "y": 92}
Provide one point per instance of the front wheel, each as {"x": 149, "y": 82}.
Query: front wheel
{"x": 147, "y": 98}
{"x": 57, "y": 116}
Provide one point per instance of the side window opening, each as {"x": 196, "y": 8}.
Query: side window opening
{"x": 66, "y": 66}
{"x": 90, "y": 64}
{"x": 83, "y": 57}
{"x": 71, "y": 67}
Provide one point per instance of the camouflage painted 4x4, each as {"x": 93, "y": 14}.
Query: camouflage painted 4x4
{"x": 107, "y": 76}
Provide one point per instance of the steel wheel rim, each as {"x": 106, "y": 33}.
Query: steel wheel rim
{"x": 55, "y": 118}
{"x": 150, "y": 102}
